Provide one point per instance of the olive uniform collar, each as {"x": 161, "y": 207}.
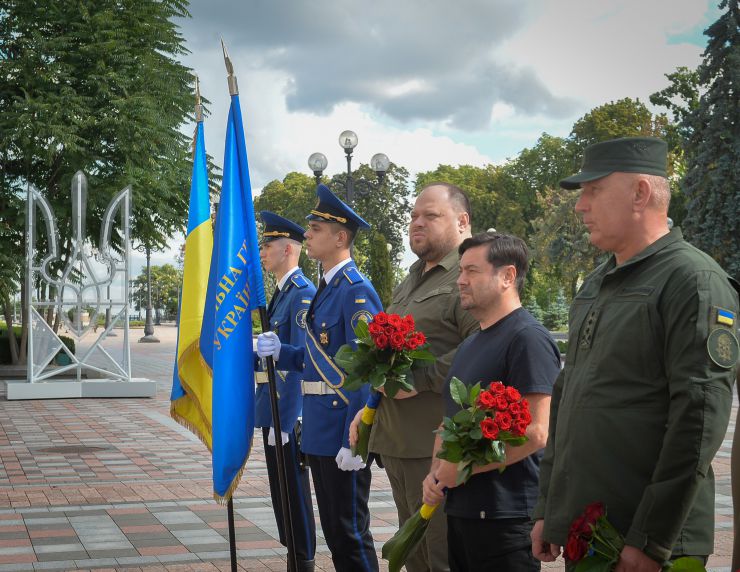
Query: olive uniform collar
{"x": 448, "y": 262}
{"x": 673, "y": 236}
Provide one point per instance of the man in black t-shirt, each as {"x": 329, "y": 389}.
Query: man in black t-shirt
{"x": 489, "y": 517}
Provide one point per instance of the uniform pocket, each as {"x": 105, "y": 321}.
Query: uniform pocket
{"x": 432, "y": 293}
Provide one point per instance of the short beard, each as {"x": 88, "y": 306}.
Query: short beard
{"x": 433, "y": 251}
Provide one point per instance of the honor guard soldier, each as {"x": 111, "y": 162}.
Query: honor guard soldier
{"x": 279, "y": 251}
{"x": 341, "y": 480}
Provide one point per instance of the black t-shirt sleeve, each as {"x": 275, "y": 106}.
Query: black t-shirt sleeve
{"x": 533, "y": 361}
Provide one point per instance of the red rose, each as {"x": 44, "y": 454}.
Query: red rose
{"x": 411, "y": 343}
{"x": 575, "y": 549}
{"x": 394, "y": 320}
{"x": 381, "y": 341}
{"x": 579, "y": 526}
{"x": 496, "y": 387}
{"x": 524, "y": 417}
{"x": 519, "y": 429}
{"x": 381, "y": 318}
{"x": 501, "y": 403}
{"x": 486, "y": 400}
{"x": 405, "y": 328}
{"x": 515, "y": 408}
{"x": 512, "y": 394}
{"x": 375, "y": 329}
{"x": 594, "y": 511}
{"x": 397, "y": 340}
{"x": 504, "y": 420}
{"x": 489, "y": 428}
{"x": 410, "y": 321}
{"x": 420, "y": 338}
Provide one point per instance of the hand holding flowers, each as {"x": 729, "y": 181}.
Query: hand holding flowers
{"x": 475, "y": 437}
{"x": 594, "y": 545}
{"x": 387, "y": 349}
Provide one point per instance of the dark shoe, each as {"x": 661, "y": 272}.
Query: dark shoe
{"x": 306, "y": 565}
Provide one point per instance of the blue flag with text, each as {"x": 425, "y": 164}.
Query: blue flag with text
{"x": 235, "y": 288}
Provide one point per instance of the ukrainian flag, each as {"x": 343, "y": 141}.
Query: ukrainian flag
{"x": 191, "y": 385}
{"x": 234, "y": 289}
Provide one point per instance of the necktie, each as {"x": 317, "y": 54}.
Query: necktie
{"x": 322, "y": 285}
{"x": 271, "y": 305}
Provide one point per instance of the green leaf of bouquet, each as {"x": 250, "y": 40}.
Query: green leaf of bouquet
{"x": 377, "y": 378}
{"x": 685, "y": 564}
{"x": 462, "y": 416}
{"x": 513, "y": 440}
{"x": 452, "y": 452}
{"x": 421, "y": 355}
{"x": 448, "y": 436}
{"x": 594, "y": 563}
{"x": 344, "y": 356}
{"x": 474, "y": 393}
{"x": 362, "y": 331}
{"x": 476, "y": 433}
{"x": 353, "y": 382}
{"x": 459, "y": 392}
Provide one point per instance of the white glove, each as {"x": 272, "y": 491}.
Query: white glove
{"x": 268, "y": 344}
{"x": 346, "y": 462}
{"x": 271, "y": 437}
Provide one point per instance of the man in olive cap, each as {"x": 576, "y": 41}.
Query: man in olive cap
{"x": 644, "y": 400}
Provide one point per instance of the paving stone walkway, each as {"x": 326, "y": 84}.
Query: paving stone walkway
{"x": 104, "y": 484}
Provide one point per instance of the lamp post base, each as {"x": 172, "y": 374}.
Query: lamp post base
{"x": 149, "y": 339}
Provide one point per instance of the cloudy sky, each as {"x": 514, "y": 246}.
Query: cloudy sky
{"x": 427, "y": 82}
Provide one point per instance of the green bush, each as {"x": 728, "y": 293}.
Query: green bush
{"x": 562, "y": 346}
{"x": 5, "y": 347}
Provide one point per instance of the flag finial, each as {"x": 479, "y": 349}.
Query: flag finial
{"x": 233, "y": 87}
{"x": 198, "y": 105}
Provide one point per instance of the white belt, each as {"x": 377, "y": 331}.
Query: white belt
{"x": 316, "y": 388}
{"x": 261, "y": 377}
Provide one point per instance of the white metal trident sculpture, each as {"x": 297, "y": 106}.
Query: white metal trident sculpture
{"x": 79, "y": 287}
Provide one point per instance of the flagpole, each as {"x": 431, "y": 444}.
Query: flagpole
{"x": 282, "y": 474}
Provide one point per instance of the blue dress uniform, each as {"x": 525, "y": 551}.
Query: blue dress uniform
{"x": 328, "y": 409}
{"x": 287, "y": 316}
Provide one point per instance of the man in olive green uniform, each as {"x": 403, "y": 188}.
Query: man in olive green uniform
{"x": 403, "y": 431}
{"x": 644, "y": 400}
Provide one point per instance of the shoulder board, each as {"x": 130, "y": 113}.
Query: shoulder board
{"x": 299, "y": 280}
{"x": 353, "y": 275}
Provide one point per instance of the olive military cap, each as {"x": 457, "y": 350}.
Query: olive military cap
{"x": 646, "y": 155}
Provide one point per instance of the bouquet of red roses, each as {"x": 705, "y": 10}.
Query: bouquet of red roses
{"x": 594, "y": 545}
{"x": 387, "y": 349}
{"x": 476, "y": 435}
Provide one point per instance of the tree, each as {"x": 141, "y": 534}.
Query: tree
{"x": 374, "y": 203}
{"x": 292, "y": 198}
{"x": 560, "y": 245}
{"x": 555, "y": 316}
{"x": 496, "y": 196}
{"x": 295, "y": 196}
{"x": 541, "y": 167}
{"x": 166, "y": 281}
{"x": 712, "y": 149}
{"x": 96, "y": 86}
{"x": 380, "y": 270}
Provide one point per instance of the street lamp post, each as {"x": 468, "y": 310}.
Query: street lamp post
{"x": 148, "y": 325}
{"x": 157, "y": 307}
{"x": 379, "y": 163}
